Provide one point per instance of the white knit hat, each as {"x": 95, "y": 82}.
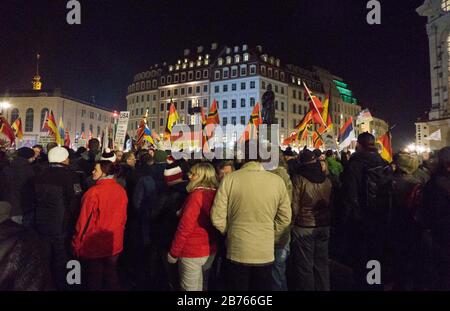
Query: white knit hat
{"x": 108, "y": 155}
{"x": 58, "y": 155}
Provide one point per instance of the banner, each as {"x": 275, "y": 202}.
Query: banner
{"x": 121, "y": 132}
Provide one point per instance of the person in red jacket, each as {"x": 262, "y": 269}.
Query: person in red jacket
{"x": 98, "y": 238}
{"x": 195, "y": 242}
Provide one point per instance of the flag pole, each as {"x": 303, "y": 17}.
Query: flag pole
{"x": 314, "y": 104}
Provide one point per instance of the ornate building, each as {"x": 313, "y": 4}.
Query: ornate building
{"x": 438, "y": 118}
{"x": 236, "y": 77}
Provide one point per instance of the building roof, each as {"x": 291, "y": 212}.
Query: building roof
{"x": 47, "y": 93}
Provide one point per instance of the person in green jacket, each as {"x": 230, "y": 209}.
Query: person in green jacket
{"x": 334, "y": 166}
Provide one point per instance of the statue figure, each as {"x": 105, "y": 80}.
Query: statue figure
{"x": 268, "y": 106}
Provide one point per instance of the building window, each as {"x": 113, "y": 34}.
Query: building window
{"x": 15, "y": 115}
{"x": 142, "y": 111}
{"x": 205, "y": 73}
{"x": 294, "y": 94}
{"x": 154, "y": 110}
{"x": 217, "y": 75}
{"x": 263, "y": 70}
{"x": 225, "y": 88}
{"x": 205, "y": 103}
{"x": 224, "y": 121}
{"x": 137, "y": 99}
{"x": 44, "y": 113}
{"x": 233, "y": 120}
{"x": 243, "y": 71}
{"x": 269, "y": 71}
{"x": 226, "y": 73}
{"x": 169, "y": 79}
{"x": 282, "y": 122}
{"x": 263, "y": 85}
{"x": 233, "y": 72}
{"x": 163, "y": 80}
{"x": 190, "y": 90}
{"x": 216, "y": 89}
{"x": 183, "y": 91}
{"x": 161, "y": 94}
{"x": 161, "y": 122}
{"x": 153, "y": 124}
{"x": 445, "y": 5}
{"x": 182, "y": 105}
{"x": 91, "y": 115}
{"x": 228, "y": 59}
{"x": 98, "y": 131}
{"x": 237, "y": 58}
{"x": 276, "y": 74}
{"x": 198, "y": 75}
{"x": 242, "y": 102}
{"x": 243, "y": 120}
{"x": 276, "y": 88}
{"x": 154, "y": 97}
{"x": 252, "y": 84}
{"x": 220, "y": 61}
{"x": 246, "y": 57}
{"x": 91, "y": 129}
{"x": 233, "y": 103}
{"x": 282, "y": 76}
{"x": 252, "y": 101}
{"x": 183, "y": 77}
{"x": 205, "y": 88}
{"x": 154, "y": 84}
{"x": 137, "y": 111}
{"x": 175, "y": 92}
{"x": 282, "y": 106}
{"x": 197, "y": 89}
{"x": 82, "y": 127}
{"x": 168, "y": 93}
{"x": 282, "y": 90}
{"x": 161, "y": 107}
{"x": 175, "y": 78}
{"x": 276, "y": 104}
{"x": 252, "y": 69}
{"x": 294, "y": 108}
{"x": 225, "y": 104}
{"x": 243, "y": 86}
{"x": 190, "y": 75}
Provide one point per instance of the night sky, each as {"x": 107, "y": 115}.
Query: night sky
{"x": 387, "y": 65}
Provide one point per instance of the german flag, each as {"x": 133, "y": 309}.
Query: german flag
{"x": 50, "y": 125}
{"x": 17, "y": 127}
{"x": 386, "y": 146}
{"x": 172, "y": 118}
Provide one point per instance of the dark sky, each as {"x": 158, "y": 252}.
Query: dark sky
{"x": 387, "y": 65}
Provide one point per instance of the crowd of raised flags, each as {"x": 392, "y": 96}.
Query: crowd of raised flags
{"x": 317, "y": 123}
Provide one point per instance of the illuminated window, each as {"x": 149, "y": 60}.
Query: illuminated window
{"x": 220, "y": 61}
{"x": 237, "y": 58}
{"x": 246, "y": 57}
{"x": 445, "y": 5}
{"x": 44, "y": 113}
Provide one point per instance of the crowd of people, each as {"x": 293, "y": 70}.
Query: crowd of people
{"x": 143, "y": 220}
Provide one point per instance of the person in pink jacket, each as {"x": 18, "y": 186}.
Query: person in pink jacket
{"x": 195, "y": 242}
{"x": 98, "y": 238}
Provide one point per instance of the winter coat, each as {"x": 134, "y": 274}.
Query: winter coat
{"x": 196, "y": 236}
{"x": 352, "y": 183}
{"x": 88, "y": 160}
{"x": 100, "y": 227}
{"x": 253, "y": 209}
{"x": 58, "y": 194}
{"x": 437, "y": 207}
{"x": 17, "y": 186}
{"x": 311, "y": 202}
{"x": 334, "y": 166}
{"x": 24, "y": 259}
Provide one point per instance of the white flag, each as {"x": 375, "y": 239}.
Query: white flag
{"x": 435, "y": 136}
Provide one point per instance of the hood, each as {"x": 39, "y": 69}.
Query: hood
{"x": 312, "y": 172}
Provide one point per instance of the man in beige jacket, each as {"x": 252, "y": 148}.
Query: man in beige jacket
{"x": 252, "y": 208}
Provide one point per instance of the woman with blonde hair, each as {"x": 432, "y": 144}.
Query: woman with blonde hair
{"x": 195, "y": 242}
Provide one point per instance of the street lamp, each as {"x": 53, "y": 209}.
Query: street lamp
{"x": 4, "y": 105}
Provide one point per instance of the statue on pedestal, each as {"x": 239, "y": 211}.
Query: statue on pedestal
{"x": 268, "y": 106}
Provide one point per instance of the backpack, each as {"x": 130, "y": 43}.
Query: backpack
{"x": 376, "y": 196}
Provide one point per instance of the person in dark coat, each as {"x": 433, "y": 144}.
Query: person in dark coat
{"x": 58, "y": 196}
{"x": 16, "y": 186}
{"x": 437, "y": 207}
{"x": 364, "y": 234}
{"x": 24, "y": 258}
{"x": 90, "y": 157}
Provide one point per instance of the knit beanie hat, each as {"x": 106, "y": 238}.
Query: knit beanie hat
{"x": 408, "y": 163}
{"x": 108, "y": 155}
{"x": 173, "y": 174}
{"x": 25, "y": 152}
{"x": 160, "y": 156}
{"x": 58, "y": 155}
